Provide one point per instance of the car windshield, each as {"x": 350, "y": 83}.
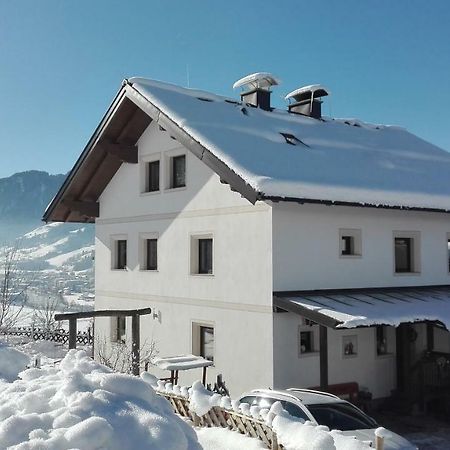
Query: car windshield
{"x": 341, "y": 416}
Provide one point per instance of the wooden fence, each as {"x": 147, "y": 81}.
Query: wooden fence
{"x": 59, "y": 335}
{"x": 220, "y": 417}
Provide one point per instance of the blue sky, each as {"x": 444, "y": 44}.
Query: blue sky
{"x": 62, "y": 62}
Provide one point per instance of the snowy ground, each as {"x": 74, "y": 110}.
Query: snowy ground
{"x": 78, "y": 403}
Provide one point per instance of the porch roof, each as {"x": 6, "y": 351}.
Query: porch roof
{"x": 351, "y": 308}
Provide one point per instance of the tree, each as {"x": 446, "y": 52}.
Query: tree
{"x": 14, "y": 283}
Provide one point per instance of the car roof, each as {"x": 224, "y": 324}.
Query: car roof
{"x": 305, "y": 396}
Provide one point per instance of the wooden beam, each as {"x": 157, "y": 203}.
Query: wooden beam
{"x": 103, "y": 313}
{"x": 123, "y": 152}
{"x": 135, "y": 344}
{"x": 72, "y": 333}
{"x": 90, "y": 209}
{"x": 323, "y": 357}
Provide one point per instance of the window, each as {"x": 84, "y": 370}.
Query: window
{"x": 207, "y": 342}
{"x": 178, "y": 171}
{"x": 350, "y": 244}
{"x": 350, "y": 346}
{"x": 121, "y": 254}
{"x": 152, "y": 176}
{"x": 119, "y": 332}
{"x": 406, "y": 252}
{"x": 382, "y": 348}
{"x": 205, "y": 256}
{"x": 151, "y": 254}
{"x": 448, "y": 251}
{"x": 202, "y": 255}
{"x": 306, "y": 342}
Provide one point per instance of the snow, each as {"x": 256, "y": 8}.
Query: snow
{"x": 223, "y": 439}
{"x": 81, "y": 404}
{"x": 380, "y": 308}
{"x": 258, "y": 79}
{"x": 342, "y": 162}
{"x": 60, "y": 260}
{"x": 12, "y": 362}
{"x": 311, "y": 88}
{"x": 183, "y": 362}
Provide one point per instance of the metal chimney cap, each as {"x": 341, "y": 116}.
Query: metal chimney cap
{"x": 258, "y": 80}
{"x": 313, "y": 90}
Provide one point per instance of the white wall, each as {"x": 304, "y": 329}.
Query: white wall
{"x": 236, "y": 299}
{"x": 306, "y": 247}
{"x": 291, "y": 369}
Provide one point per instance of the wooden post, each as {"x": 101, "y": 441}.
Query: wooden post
{"x": 379, "y": 443}
{"x": 204, "y": 376}
{"x": 135, "y": 344}
{"x": 323, "y": 357}
{"x": 430, "y": 336}
{"x": 72, "y": 333}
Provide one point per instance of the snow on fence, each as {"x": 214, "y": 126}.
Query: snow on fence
{"x": 274, "y": 427}
{"x": 59, "y": 335}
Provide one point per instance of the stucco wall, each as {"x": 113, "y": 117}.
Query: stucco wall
{"x": 306, "y": 247}
{"x": 293, "y": 369}
{"x": 236, "y": 299}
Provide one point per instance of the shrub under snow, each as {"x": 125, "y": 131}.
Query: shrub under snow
{"x": 83, "y": 405}
{"x": 12, "y": 362}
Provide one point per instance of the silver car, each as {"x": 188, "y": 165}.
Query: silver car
{"x": 326, "y": 409}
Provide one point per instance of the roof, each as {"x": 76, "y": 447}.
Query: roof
{"x": 331, "y": 160}
{"x": 306, "y": 396}
{"x": 353, "y": 308}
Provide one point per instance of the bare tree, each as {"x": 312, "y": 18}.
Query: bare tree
{"x": 44, "y": 315}
{"x": 14, "y": 283}
{"x": 118, "y": 356}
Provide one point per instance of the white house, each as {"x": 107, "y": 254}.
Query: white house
{"x": 293, "y": 249}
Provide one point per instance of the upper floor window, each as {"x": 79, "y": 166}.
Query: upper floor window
{"x": 350, "y": 242}
{"x": 207, "y": 342}
{"x": 152, "y": 176}
{"x": 406, "y": 252}
{"x": 178, "y": 171}
{"x": 151, "y": 254}
{"x": 202, "y": 255}
{"x": 120, "y": 254}
{"x": 403, "y": 254}
{"x": 448, "y": 251}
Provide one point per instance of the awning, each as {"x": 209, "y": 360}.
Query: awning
{"x": 352, "y": 308}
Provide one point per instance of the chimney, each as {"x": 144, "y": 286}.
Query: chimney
{"x": 307, "y": 100}
{"x": 256, "y": 89}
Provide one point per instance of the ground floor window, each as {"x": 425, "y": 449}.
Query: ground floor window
{"x": 203, "y": 340}
{"x": 382, "y": 344}
{"x": 306, "y": 342}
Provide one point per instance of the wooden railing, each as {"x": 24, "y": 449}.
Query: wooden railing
{"x": 59, "y": 335}
{"x": 224, "y": 418}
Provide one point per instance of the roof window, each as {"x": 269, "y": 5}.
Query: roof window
{"x": 292, "y": 140}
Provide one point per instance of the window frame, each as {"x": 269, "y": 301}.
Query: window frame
{"x": 147, "y": 266}
{"x": 197, "y": 340}
{"x": 205, "y": 256}
{"x": 355, "y": 235}
{"x": 144, "y": 163}
{"x": 204, "y": 329}
{"x": 148, "y": 176}
{"x": 414, "y": 239}
{"x": 173, "y": 176}
{"x": 114, "y": 251}
{"x": 194, "y": 258}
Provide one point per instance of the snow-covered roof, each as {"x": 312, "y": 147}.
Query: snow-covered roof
{"x": 341, "y": 161}
{"x": 386, "y": 306}
{"x": 183, "y": 362}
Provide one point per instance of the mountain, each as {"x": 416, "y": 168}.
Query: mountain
{"x": 23, "y": 198}
{"x": 57, "y": 256}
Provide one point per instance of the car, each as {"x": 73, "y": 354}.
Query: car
{"x": 327, "y": 409}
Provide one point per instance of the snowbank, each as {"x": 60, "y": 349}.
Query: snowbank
{"x": 83, "y": 405}
{"x": 12, "y": 362}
